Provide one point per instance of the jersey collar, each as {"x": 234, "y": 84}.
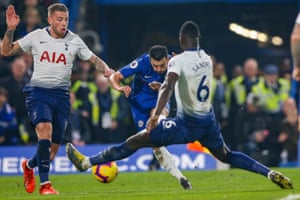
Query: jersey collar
{"x": 193, "y": 49}
{"x": 48, "y": 31}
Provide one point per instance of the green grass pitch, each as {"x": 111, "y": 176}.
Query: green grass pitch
{"x": 228, "y": 185}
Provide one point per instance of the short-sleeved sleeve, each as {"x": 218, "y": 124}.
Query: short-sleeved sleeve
{"x": 133, "y": 68}
{"x": 25, "y": 43}
{"x": 174, "y": 66}
{"x": 84, "y": 52}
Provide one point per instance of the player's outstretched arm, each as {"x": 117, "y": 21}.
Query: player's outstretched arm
{"x": 164, "y": 95}
{"x": 101, "y": 66}
{"x": 115, "y": 81}
{"x": 12, "y": 20}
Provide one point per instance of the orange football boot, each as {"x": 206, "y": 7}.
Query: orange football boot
{"x": 29, "y": 181}
{"x": 47, "y": 189}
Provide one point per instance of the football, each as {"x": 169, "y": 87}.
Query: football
{"x": 105, "y": 173}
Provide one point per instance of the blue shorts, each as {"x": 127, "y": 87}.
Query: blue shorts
{"x": 185, "y": 130}
{"x": 141, "y": 116}
{"x": 49, "y": 105}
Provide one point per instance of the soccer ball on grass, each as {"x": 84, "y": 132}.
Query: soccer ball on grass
{"x": 105, "y": 173}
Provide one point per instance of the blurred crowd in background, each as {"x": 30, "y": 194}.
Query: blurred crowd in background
{"x": 252, "y": 101}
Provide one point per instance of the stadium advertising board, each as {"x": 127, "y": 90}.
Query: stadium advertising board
{"x": 11, "y": 157}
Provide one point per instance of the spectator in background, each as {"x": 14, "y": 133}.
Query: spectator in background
{"x": 30, "y": 21}
{"x": 285, "y": 69}
{"x": 265, "y": 104}
{"x": 239, "y": 89}
{"x": 83, "y": 70}
{"x": 14, "y": 83}
{"x": 236, "y": 71}
{"x": 288, "y": 134}
{"x": 4, "y": 65}
{"x": 269, "y": 94}
{"x": 113, "y": 111}
{"x": 9, "y": 134}
{"x": 23, "y": 5}
{"x": 218, "y": 94}
{"x": 29, "y": 65}
{"x": 241, "y": 86}
{"x": 258, "y": 146}
{"x": 82, "y": 87}
{"x": 276, "y": 145}
{"x": 77, "y": 130}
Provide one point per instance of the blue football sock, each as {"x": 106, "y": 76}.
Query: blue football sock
{"x": 111, "y": 154}
{"x": 43, "y": 160}
{"x": 243, "y": 161}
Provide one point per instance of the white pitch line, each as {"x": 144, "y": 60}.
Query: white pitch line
{"x": 291, "y": 197}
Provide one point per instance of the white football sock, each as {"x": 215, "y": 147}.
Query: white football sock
{"x": 86, "y": 163}
{"x": 166, "y": 161}
{"x": 165, "y": 158}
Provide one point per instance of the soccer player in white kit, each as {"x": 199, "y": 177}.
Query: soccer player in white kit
{"x": 54, "y": 49}
{"x": 190, "y": 73}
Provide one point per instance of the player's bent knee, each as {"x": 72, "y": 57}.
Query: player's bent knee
{"x": 222, "y": 154}
{"x": 139, "y": 140}
{"x": 132, "y": 142}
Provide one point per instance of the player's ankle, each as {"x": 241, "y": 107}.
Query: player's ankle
{"x": 86, "y": 163}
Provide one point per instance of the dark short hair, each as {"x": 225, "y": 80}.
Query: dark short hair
{"x": 158, "y": 52}
{"x": 57, "y": 7}
{"x": 189, "y": 29}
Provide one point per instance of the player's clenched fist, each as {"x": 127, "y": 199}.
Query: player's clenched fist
{"x": 126, "y": 90}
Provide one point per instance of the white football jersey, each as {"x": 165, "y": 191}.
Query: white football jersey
{"x": 192, "y": 90}
{"x": 53, "y": 58}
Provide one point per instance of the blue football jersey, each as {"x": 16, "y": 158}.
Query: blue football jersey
{"x": 142, "y": 98}
{"x": 142, "y": 95}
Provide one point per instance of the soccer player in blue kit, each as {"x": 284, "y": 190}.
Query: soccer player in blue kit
{"x": 189, "y": 74}
{"x": 54, "y": 49}
{"x": 149, "y": 72}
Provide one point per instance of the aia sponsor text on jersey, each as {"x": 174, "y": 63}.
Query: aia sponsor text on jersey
{"x": 53, "y": 57}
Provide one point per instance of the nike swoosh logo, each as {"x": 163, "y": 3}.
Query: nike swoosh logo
{"x": 147, "y": 76}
